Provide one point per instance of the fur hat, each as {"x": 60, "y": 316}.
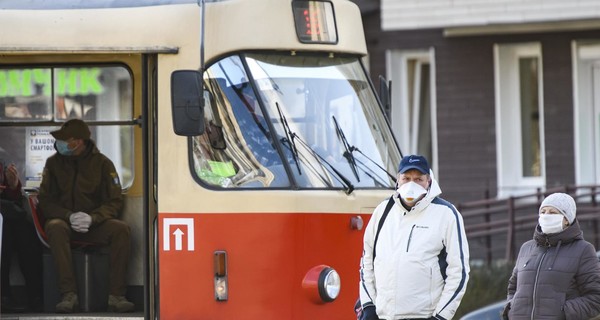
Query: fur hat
{"x": 563, "y": 202}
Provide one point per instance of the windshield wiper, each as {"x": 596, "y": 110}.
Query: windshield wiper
{"x": 290, "y": 136}
{"x": 353, "y": 148}
{"x": 347, "y": 151}
{"x": 348, "y": 154}
{"x": 369, "y": 172}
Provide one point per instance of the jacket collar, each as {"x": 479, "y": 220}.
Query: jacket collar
{"x": 570, "y": 234}
{"x": 433, "y": 191}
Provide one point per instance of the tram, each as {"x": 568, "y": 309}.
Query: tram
{"x": 250, "y": 142}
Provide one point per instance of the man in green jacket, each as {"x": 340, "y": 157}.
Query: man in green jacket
{"x": 80, "y": 196}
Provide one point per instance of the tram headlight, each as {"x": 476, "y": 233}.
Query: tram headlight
{"x": 322, "y": 284}
{"x": 331, "y": 285}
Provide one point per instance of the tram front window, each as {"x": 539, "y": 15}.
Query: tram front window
{"x": 301, "y": 121}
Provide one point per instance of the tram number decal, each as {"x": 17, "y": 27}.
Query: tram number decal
{"x": 172, "y": 228}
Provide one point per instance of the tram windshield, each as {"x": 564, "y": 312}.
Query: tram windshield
{"x": 293, "y": 121}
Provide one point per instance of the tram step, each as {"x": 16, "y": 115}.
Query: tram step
{"x": 75, "y": 316}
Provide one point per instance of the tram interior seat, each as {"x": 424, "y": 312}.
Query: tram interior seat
{"x": 280, "y": 176}
{"x": 280, "y": 179}
{"x": 1, "y": 227}
{"x": 248, "y": 118}
{"x": 90, "y": 263}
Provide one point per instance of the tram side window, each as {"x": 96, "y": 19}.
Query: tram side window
{"x": 39, "y": 100}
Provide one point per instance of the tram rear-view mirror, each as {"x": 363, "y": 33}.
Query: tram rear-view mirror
{"x": 187, "y": 102}
{"x": 384, "y": 94}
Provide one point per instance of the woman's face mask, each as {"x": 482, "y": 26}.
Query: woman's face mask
{"x": 551, "y": 223}
{"x": 411, "y": 192}
{"x": 63, "y": 148}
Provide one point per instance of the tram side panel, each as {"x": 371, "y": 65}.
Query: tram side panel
{"x": 268, "y": 255}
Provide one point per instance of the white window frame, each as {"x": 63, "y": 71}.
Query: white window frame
{"x": 508, "y": 118}
{"x": 586, "y": 108}
{"x": 397, "y": 71}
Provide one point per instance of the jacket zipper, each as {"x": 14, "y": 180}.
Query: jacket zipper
{"x": 73, "y": 186}
{"x": 410, "y": 236}
{"x": 537, "y": 274}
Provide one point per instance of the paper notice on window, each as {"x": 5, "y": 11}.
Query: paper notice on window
{"x": 40, "y": 145}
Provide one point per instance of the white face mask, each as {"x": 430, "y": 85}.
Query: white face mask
{"x": 551, "y": 223}
{"x": 410, "y": 192}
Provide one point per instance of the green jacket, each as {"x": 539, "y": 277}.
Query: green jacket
{"x": 87, "y": 182}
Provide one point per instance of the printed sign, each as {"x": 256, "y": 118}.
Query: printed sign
{"x": 71, "y": 81}
{"x": 40, "y": 145}
{"x": 176, "y": 228}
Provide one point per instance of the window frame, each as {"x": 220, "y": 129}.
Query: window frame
{"x": 405, "y": 120}
{"x": 52, "y": 123}
{"x": 509, "y": 145}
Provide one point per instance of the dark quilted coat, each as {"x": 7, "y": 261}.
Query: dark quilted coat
{"x": 556, "y": 276}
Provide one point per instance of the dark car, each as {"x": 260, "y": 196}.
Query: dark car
{"x": 494, "y": 311}
{"x": 489, "y": 312}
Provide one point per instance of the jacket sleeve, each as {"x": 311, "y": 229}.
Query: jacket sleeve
{"x": 110, "y": 193}
{"x": 11, "y": 194}
{"x": 587, "y": 279}
{"x": 512, "y": 287}
{"x": 49, "y": 196}
{"x": 457, "y": 271}
{"x": 367, "y": 290}
{"x": 512, "y": 284}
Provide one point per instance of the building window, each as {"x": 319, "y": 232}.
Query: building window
{"x": 586, "y": 84}
{"x": 530, "y": 116}
{"x": 413, "y": 101}
{"x": 519, "y": 101}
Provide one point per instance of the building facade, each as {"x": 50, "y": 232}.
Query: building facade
{"x": 503, "y": 96}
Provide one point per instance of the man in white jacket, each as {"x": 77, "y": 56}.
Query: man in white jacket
{"x": 418, "y": 267}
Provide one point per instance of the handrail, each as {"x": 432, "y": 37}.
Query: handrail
{"x": 496, "y": 228}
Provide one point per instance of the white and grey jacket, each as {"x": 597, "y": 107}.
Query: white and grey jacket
{"x": 421, "y": 265}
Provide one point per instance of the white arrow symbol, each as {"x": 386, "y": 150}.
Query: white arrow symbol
{"x": 178, "y": 239}
{"x": 178, "y": 233}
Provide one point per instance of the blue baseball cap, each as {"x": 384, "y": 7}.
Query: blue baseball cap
{"x": 414, "y": 162}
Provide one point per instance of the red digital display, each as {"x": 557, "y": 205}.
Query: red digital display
{"x": 315, "y": 21}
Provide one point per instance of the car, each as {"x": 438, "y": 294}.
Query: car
{"x": 490, "y": 312}
{"x": 494, "y": 311}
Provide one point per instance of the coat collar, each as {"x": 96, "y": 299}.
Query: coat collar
{"x": 433, "y": 191}
{"x": 570, "y": 234}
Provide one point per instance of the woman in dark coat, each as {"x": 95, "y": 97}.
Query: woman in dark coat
{"x": 557, "y": 274}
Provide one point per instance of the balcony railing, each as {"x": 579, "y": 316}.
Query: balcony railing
{"x": 496, "y": 228}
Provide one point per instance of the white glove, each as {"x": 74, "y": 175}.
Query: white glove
{"x": 80, "y": 221}
{"x": 79, "y": 229}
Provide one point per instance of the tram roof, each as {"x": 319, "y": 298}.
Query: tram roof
{"x": 88, "y": 4}
{"x": 36, "y": 28}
